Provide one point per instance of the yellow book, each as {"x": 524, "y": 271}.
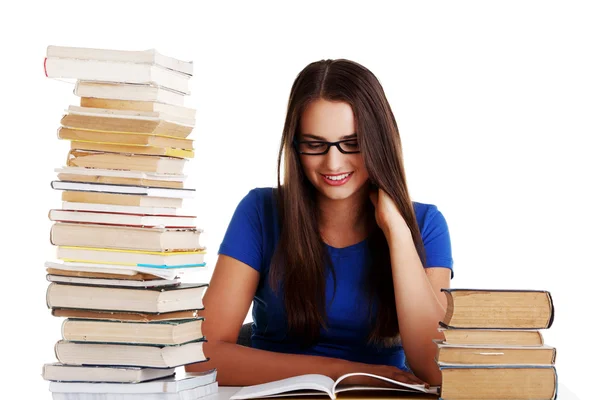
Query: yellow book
{"x": 140, "y": 258}
{"x": 131, "y": 149}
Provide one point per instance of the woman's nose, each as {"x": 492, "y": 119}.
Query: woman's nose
{"x": 333, "y": 158}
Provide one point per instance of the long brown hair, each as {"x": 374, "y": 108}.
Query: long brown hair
{"x": 300, "y": 262}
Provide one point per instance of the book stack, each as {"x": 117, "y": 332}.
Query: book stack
{"x": 493, "y": 347}
{"x": 122, "y": 242}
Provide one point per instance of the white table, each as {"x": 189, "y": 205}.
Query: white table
{"x": 225, "y": 392}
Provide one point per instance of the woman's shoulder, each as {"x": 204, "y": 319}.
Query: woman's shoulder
{"x": 429, "y": 217}
{"x": 259, "y": 198}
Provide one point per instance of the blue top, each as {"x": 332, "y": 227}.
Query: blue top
{"x": 251, "y": 238}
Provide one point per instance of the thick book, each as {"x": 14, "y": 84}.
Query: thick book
{"x": 186, "y": 296}
{"x": 95, "y": 65}
{"x": 322, "y": 385}
{"x": 136, "y": 355}
{"x": 130, "y": 200}
{"x": 78, "y": 373}
{"x": 514, "y": 337}
{"x": 149, "y": 56}
{"x": 125, "y": 237}
{"x": 131, "y": 105}
{"x": 495, "y": 354}
{"x": 123, "y": 189}
{"x": 114, "y": 138}
{"x": 124, "y": 316}
{"x": 111, "y": 271}
{"x": 498, "y": 309}
{"x": 172, "y": 384}
{"x": 196, "y": 393}
{"x": 109, "y": 218}
{"x": 149, "y": 123}
{"x": 128, "y": 92}
{"x": 132, "y": 258}
{"x": 128, "y": 162}
{"x": 487, "y": 382}
{"x": 159, "y": 332}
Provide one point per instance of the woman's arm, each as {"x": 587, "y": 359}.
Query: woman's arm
{"x": 420, "y": 304}
{"x": 227, "y": 301}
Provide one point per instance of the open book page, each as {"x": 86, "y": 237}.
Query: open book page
{"x": 405, "y": 387}
{"x": 310, "y": 384}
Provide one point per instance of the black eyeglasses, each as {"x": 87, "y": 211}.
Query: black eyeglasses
{"x": 318, "y": 147}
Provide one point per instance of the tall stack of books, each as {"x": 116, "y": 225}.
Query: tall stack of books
{"x": 493, "y": 347}
{"x": 122, "y": 242}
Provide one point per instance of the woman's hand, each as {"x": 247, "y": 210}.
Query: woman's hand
{"x": 387, "y": 215}
{"x": 386, "y": 371}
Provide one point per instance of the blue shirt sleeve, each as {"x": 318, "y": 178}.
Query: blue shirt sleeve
{"x": 243, "y": 238}
{"x": 436, "y": 239}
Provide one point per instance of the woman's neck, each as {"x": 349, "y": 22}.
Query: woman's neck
{"x": 344, "y": 222}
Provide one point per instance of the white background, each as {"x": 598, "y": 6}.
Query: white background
{"x": 497, "y": 105}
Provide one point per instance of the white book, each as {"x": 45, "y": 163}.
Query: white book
{"x": 180, "y": 221}
{"x": 190, "y": 394}
{"x": 112, "y": 71}
{"x": 112, "y": 66}
{"x": 123, "y": 189}
{"x": 121, "y": 173}
{"x": 151, "y": 259}
{"x": 315, "y": 385}
{"x": 149, "y": 56}
{"x": 77, "y": 280}
{"x": 125, "y": 270}
{"x": 173, "y": 384}
{"x": 111, "y": 208}
{"x": 79, "y": 373}
{"x": 128, "y": 91}
{"x": 132, "y": 114}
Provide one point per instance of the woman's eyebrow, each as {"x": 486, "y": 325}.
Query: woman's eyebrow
{"x": 311, "y": 136}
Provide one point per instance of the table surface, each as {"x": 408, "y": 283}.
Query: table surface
{"x": 225, "y": 392}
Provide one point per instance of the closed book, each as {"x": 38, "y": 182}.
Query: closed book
{"x": 94, "y": 66}
{"x": 78, "y": 373}
{"x": 172, "y": 384}
{"x": 158, "y": 124}
{"x": 116, "y": 209}
{"x": 139, "y": 139}
{"x": 128, "y": 91}
{"x": 111, "y": 271}
{"x": 159, "y": 332}
{"x": 128, "y": 162}
{"x": 121, "y": 173}
{"x": 130, "y": 200}
{"x": 498, "y": 309}
{"x": 495, "y": 354}
{"x": 122, "y": 316}
{"x": 131, "y": 105}
{"x": 186, "y": 296}
{"x": 123, "y": 189}
{"x": 514, "y": 337}
{"x": 124, "y": 237}
{"x": 136, "y": 355}
{"x": 132, "y": 149}
{"x": 96, "y": 280}
{"x": 132, "y": 258}
{"x": 149, "y": 56}
{"x": 196, "y": 393}
{"x": 99, "y": 217}
{"x": 486, "y": 382}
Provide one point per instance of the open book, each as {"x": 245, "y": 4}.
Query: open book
{"x": 315, "y": 384}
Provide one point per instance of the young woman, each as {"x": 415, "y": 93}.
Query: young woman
{"x": 344, "y": 271}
